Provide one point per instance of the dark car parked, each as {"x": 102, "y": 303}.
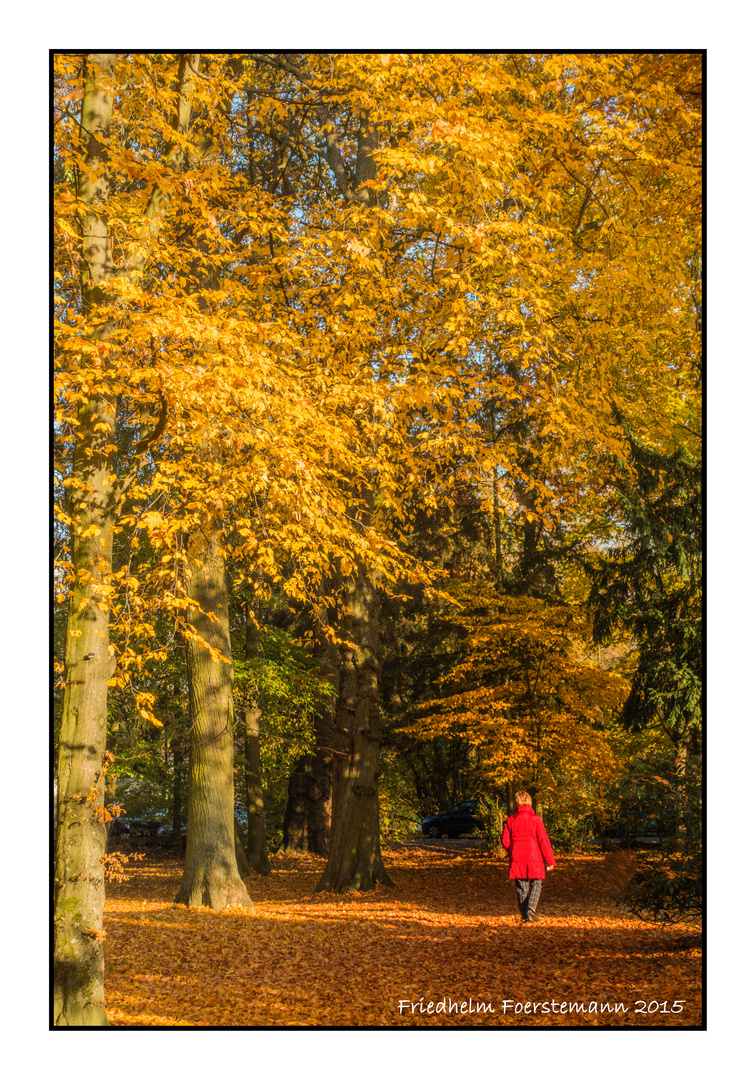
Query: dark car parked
{"x": 460, "y": 819}
{"x": 136, "y": 827}
{"x": 636, "y": 831}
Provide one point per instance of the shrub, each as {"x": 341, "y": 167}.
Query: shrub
{"x": 666, "y": 887}
{"x": 568, "y": 833}
{"x": 492, "y": 813}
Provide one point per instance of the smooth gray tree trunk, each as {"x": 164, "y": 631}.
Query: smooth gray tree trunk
{"x": 355, "y": 863}
{"x": 81, "y": 836}
{"x": 211, "y": 875}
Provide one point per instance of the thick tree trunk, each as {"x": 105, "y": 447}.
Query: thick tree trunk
{"x": 307, "y": 821}
{"x": 355, "y": 863}
{"x": 257, "y": 840}
{"x": 81, "y": 836}
{"x": 211, "y": 875}
{"x": 354, "y": 860}
{"x": 212, "y": 871}
{"x": 94, "y": 494}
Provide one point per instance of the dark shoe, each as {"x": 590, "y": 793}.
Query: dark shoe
{"x": 532, "y": 917}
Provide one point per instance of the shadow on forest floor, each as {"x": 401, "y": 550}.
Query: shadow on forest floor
{"x": 447, "y": 931}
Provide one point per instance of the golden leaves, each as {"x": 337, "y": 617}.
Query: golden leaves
{"x": 320, "y": 344}
{"x": 518, "y": 683}
{"x": 320, "y": 960}
{"x": 116, "y": 865}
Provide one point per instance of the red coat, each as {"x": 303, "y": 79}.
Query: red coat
{"x": 527, "y": 845}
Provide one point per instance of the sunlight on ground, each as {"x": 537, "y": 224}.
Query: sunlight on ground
{"x": 448, "y": 931}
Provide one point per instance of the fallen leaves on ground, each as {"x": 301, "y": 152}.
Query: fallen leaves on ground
{"x": 447, "y": 937}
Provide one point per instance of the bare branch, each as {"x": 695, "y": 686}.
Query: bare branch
{"x": 143, "y": 446}
{"x": 333, "y": 151}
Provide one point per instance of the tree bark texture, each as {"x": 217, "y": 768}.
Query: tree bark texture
{"x": 211, "y": 875}
{"x": 355, "y": 863}
{"x": 81, "y": 835}
{"x": 307, "y": 821}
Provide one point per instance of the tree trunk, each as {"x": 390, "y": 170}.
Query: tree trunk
{"x": 257, "y": 840}
{"x": 355, "y": 863}
{"x": 211, "y": 871}
{"x": 354, "y": 860}
{"x": 241, "y": 856}
{"x": 499, "y": 852}
{"x": 94, "y": 495}
{"x": 307, "y": 821}
{"x": 681, "y": 762}
{"x": 498, "y": 557}
{"x": 499, "y": 561}
{"x": 211, "y": 875}
{"x": 81, "y": 838}
{"x": 177, "y": 755}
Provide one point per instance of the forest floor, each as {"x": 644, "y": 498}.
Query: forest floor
{"x": 447, "y": 935}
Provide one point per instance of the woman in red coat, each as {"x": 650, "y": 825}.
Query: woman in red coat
{"x": 529, "y": 851}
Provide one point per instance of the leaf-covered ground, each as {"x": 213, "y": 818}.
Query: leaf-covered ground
{"x": 446, "y": 935}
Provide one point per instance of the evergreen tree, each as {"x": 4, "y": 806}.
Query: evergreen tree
{"x": 650, "y": 585}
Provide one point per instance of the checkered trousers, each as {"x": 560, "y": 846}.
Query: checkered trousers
{"x": 528, "y": 892}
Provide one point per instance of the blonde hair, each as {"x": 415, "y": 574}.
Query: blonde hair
{"x": 523, "y": 799}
